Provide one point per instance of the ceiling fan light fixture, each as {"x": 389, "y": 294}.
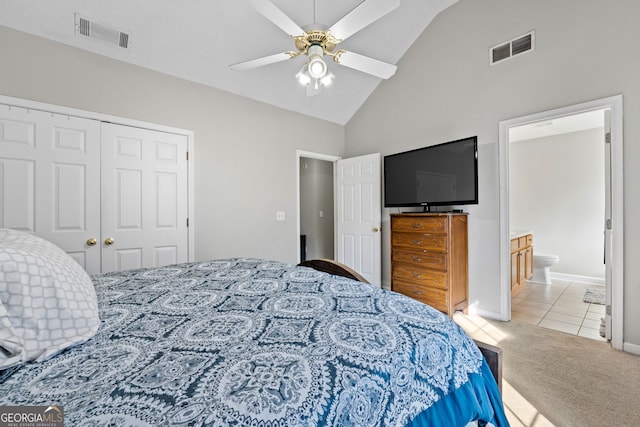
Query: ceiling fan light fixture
{"x": 327, "y": 79}
{"x": 316, "y": 66}
{"x": 303, "y": 76}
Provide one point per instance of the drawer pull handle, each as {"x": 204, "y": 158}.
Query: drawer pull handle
{"x": 417, "y": 292}
{"x": 416, "y": 225}
{"x": 416, "y": 242}
{"x": 417, "y": 258}
{"x": 416, "y": 275}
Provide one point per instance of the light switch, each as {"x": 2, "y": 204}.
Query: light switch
{"x": 321, "y": 214}
{"x": 279, "y": 215}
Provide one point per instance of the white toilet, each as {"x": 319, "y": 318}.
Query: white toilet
{"x": 541, "y": 265}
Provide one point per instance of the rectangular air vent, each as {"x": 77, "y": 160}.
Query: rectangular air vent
{"x": 102, "y": 32}
{"x": 504, "y": 51}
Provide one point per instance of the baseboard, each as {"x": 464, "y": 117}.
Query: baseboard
{"x": 577, "y": 278}
{"x": 631, "y": 348}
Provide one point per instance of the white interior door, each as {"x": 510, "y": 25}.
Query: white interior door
{"x": 50, "y": 179}
{"x": 358, "y": 208}
{"x": 144, "y": 198}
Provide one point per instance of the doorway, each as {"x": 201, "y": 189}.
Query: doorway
{"x": 613, "y": 183}
{"x": 316, "y": 209}
{"x": 557, "y": 193}
{"x": 356, "y": 211}
{"x": 316, "y": 212}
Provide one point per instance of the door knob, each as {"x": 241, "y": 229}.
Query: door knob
{"x": 108, "y": 241}
{"x": 92, "y": 242}
{"x": 376, "y": 229}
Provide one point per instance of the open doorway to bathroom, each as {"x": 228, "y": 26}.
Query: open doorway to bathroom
{"x": 562, "y": 180}
{"x": 557, "y": 196}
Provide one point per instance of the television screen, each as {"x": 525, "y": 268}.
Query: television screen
{"x": 443, "y": 174}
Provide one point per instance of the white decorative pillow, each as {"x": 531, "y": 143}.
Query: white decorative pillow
{"x": 47, "y": 301}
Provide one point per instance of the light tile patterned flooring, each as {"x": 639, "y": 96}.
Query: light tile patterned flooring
{"x": 558, "y": 306}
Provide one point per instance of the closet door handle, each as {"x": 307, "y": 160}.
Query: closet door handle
{"x": 92, "y": 242}
{"x": 109, "y": 241}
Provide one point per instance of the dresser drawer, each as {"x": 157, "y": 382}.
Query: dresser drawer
{"x": 427, "y": 241}
{"x": 436, "y": 298}
{"x": 421, "y": 224}
{"x": 419, "y": 275}
{"x": 433, "y": 260}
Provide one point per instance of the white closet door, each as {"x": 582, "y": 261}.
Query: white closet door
{"x": 144, "y": 198}
{"x": 50, "y": 179}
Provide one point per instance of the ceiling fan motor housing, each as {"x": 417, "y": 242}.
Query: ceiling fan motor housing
{"x": 321, "y": 38}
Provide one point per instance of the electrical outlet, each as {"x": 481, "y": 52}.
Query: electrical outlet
{"x": 279, "y": 215}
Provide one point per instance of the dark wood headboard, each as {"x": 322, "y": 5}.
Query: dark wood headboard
{"x": 333, "y": 267}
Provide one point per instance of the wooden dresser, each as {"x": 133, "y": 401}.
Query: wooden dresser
{"x": 429, "y": 259}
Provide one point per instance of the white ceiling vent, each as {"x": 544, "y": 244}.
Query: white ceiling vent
{"x": 504, "y": 51}
{"x": 102, "y": 32}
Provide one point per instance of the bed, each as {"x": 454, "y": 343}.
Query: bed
{"x": 252, "y": 342}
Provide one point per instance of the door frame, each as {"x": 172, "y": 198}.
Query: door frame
{"x": 614, "y": 103}
{"x": 318, "y": 156}
{"x": 92, "y": 115}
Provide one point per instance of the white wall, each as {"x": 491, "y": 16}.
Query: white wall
{"x": 245, "y": 151}
{"x": 316, "y": 206}
{"x": 556, "y": 189}
{"x": 445, "y": 89}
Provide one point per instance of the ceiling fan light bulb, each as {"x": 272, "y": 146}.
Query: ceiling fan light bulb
{"x": 327, "y": 80}
{"x": 303, "y": 76}
{"x": 317, "y": 67}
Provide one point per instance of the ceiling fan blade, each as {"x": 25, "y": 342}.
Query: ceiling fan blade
{"x": 362, "y": 15}
{"x": 259, "y": 62}
{"x": 278, "y": 17}
{"x": 366, "y": 64}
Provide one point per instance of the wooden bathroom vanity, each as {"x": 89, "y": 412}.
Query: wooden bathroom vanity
{"x": 521, "y": 260}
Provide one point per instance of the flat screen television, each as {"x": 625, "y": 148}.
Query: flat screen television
{"x": 439, "y": 175}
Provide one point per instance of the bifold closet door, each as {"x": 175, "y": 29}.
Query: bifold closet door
{"x": 144, "y": 198}
{"x": 50, "y": 179}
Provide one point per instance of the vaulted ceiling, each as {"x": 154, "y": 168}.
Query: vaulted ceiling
{"x": 197, "y": 40}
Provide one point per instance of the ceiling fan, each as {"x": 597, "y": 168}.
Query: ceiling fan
{"x": 316, "y": 41}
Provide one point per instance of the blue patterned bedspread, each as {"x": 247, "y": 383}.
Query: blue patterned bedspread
{"x": 248, "y": 342}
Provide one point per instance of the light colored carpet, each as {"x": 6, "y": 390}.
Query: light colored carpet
{"x": 552, "y": 378}
{"x": 595, "y": 295}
